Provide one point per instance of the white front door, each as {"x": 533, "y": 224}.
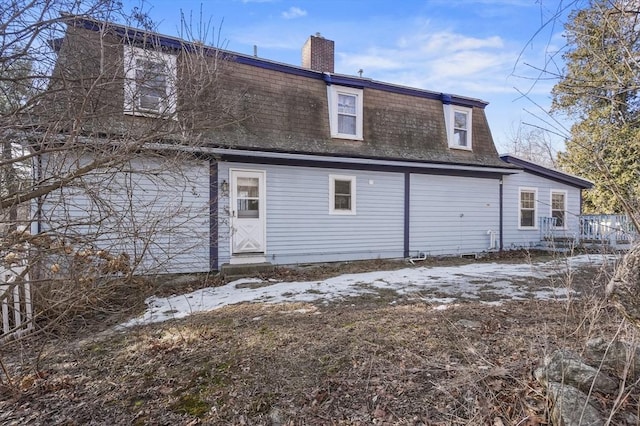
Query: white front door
{"x": 247, "y": 209}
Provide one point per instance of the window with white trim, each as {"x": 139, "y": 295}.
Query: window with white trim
{"x": 345, "y": 112}
{"x": 527, "y": 211}
{"x": 150, "y": 84}
{"x": 342, "y": 194}
{"x": 559, "y": 208}
{"x": 458, "y": 124}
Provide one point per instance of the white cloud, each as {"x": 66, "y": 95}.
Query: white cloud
{"x": 447, "y": 41}
{"x": 294, "y": 12}
{"x": 437, "y": 60}
{"x": 467, "y": 63}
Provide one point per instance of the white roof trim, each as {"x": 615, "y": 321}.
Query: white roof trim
{"x": 331, "y": 159}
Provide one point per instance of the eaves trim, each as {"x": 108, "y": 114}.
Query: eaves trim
{"x": 548, "y": 173}
{"x": 328, "y": 161}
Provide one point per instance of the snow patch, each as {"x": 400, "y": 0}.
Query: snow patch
{"x": 450, "y": 283}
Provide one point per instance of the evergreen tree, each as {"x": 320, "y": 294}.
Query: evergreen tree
{"x": 600, "y": 90}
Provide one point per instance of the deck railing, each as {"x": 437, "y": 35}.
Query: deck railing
{"x": 547, "y": 228}
{"x": 615, "y": 230}
{"x": 612, "y": 230}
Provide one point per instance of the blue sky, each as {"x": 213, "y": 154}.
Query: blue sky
{"x": 486, "y": 49}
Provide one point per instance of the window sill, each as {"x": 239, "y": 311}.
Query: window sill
{"x": 347, "y": 137}
{"x": 151, "y": 114}
{"x": 527, "y": 228}
{"x": 342, "y": 213}
{"x": 462, "y": 148}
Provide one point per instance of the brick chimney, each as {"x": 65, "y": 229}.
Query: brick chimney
{"x": 317, "y": 54}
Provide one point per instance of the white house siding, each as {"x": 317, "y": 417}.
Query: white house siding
{"x": 156, "y": 209}
{"x": 299, "y": 226}
{"x": 514, "y": 237}
{"x": 452, "y": 215}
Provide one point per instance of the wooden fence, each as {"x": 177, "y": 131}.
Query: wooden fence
{"x": 15, "y": 302}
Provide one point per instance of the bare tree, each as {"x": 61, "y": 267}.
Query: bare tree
{"x": 532, "y": 144}
{"x": 107, "y": 117}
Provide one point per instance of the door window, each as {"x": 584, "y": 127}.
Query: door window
{"x": 248, "y": 198}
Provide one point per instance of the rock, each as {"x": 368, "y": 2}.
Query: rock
{"x": 631, "y": 419}
{"x": 468, "y": 324}
{"x": 571, "y": 408}
{"x": 614, "y": 355}
{"x": 624, "y": 288}
{"x": 275, "y": 415}
{"x": 564, "y": 367}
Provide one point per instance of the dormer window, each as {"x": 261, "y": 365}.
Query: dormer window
{"x": 461, "y": 128}
{"x": 150, "y": 82}
{"x": 151, "y": 79}
{"x": 347, "y": 116}
{"x": 345, "y": 112}
{"x": 458, "y": 123}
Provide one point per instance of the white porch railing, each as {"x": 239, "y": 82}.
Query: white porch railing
{"x": 547, "y": 228}
{"x": 612, "y": 230}
{"x": 615, "y": 230}
{"x": 15, "y": 302}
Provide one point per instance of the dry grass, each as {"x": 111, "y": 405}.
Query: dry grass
{"x": 369, "y": 360}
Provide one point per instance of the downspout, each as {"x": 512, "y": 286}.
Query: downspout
{"x": 38, "y": 179}
{"x": 35, "y": 228}
{"x": 580, "y": 202}
{"x": 407, "y": 216}
{"x": 579, "y": 238}
{"x": 501, "y": 214}
{"x": 213, "y": 215}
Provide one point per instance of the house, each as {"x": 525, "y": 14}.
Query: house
{"x": 234, "y": 159}
{"x": 542, "y": 205}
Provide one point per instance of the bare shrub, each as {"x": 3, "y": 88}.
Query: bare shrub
{"x": 101, "y": 197}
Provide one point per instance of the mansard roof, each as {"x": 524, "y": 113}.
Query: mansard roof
{"x": 285, "y": 107}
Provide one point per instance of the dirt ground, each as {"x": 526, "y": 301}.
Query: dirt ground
{"x": 376, "y": 359}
